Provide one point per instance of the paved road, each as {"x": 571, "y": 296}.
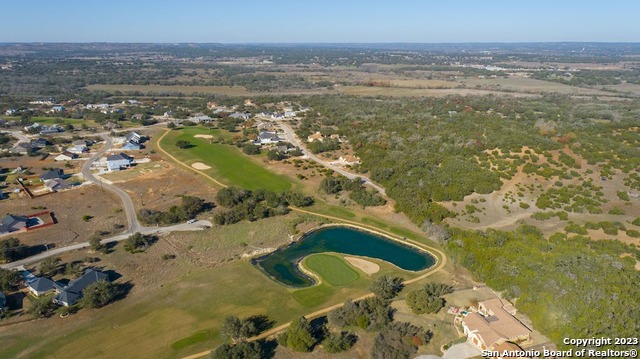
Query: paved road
{"x": 291, "y": 137}
{"x": 127, "y": 204}
{"x": 197, "y": 226}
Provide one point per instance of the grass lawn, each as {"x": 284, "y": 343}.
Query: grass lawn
{"x": 331, "y": 269}
{"x": 228, "y": 164}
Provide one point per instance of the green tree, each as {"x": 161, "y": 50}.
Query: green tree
{"x": 42, "y": 307}
{"x": 138, "y": 242}
{"x": 10, "y": 249}
{"x": 183, "y": 144}
{"x": 49, "y": 266}
{"x": 299, "y": 336}
{"x": 9, "y": 279}
{"x": 240, "y": 350}
{"x": 99, "y": 294}
{"x": 386, "y": 287}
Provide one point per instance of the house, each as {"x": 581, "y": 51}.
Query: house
{"x": 55, "y": 173}
{"x": 240, "y": 115}
{"x": 3, "y": 301}
{"x": 288, "y": 114}
{"x": 508, "y": 350}
{"x": 11, "y": 112}
{"x": 494, "y": 324}
{"x": 266, "y": 137}
{"x": 55, "y": 185}
{"x": 335, "y": 136}
{"x": 13, "y": 223}
{"x": 137, "y": 116}
{"x": 168, "y": 114}
{"x": 315, "y": 137}
{"x": 118, "y": 162}
{"x": 79, "y": 146}
{"x": 32, "y": 127}
{"x": 200, "y": 118}
{"x": 70, "y": 294}
{"x": 349, "y": 160}
{"x": 48, "y": 130}
{"x": 57, "y": 109}
{"x": 130, "y": 145}
{"x": 110, "y": 126}
{"x": 40, "y": 142}
{"x": 134, "y": 137}
{"x": 65, "y": 156}
{"x": 25, "y": 147}
{"x": 42, "y": 286}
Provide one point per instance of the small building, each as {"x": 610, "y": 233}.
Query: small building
{"x": 118, "y": 162}
{"x": 79, "y": 146}
{"x": 13, "y": 223}
{"x": 70, "y": 294}
{"x": 289, "y": 114}
{"x": 57, "y": 109}
{"x": 32, "y": 127}
{"x": 349, "y": 160}
{"x": 55, "y": 173}
{"x": 11, "y": 112}
{"x": 40, "y": 142}
{"x": 129, "y": 145}
{"x": 200, "y": 119}
{"x": 134, "y": 137}
{"x": 65, "y": 156}
{"x": 240, "y": 115}
{"x": 266, "y": 137}
{"x": 42, "y": 286}
{"x": 25, "y": 148}
{"x": 315, "y": 137}
{"x": 55, "y": 185}
{"x": 48, "y": 130}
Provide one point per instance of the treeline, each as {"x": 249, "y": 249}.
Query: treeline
{"x": 570, "y": 287}
{"x": 357, "y": 191}
{"x": 249, "y": 205}
{"x": 188, "y": 209}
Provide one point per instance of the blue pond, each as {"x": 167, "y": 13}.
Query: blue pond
{"x": 282, "y": 265}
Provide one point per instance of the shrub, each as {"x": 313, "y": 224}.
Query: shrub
{"x": 339, "y": 342}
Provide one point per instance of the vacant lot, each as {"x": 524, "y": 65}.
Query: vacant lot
{"x": 69, "y": 207}
{"x": 228, "y": 164}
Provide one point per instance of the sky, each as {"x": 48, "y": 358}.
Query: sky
{"x": 319, "y": 21}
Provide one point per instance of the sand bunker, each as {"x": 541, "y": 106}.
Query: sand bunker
{"x": 200, "y": 166}
{"x": 208, "y": 137}
{"x": 363, "y": 265}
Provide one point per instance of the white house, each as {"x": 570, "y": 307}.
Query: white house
{"x": 118, "y": 162}
{"x": 65, "y": 156}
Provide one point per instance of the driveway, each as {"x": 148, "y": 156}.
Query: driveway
{"x": 461, "y": 351}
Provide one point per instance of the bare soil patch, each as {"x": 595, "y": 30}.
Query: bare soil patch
{"x": 68, "y": 207}
{"x": 200, "y": 166}
{"x": 364, "y": 265}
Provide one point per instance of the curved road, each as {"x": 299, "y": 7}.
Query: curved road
{"x": 127, "y": 204}
{"x": 291, "y": 137}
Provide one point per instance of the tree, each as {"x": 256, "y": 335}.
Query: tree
{"x": 275, "y": 155}
{"x": 10, "y": 249}
{"x": 386, "y": 287}
{"x": 183, "y": 144}
{"x": 231, "y": 328}
{"x": 9, "y": 279}
{"x": 240, "y": 350}
{"x": 49, "y": 266}
{"x": 73, "y": 269}
{"x": 171, "y": 125}
{"x": 251, "y": 150}
{"x": 339, "y": 342}
{"x": 95, "y": 244}
{"x": 299, "y": 336}
{"x": 42, "y": 307}
{"x": 138, "y": 242}
{"x": 421, "y": 302}
{"x": 99, "y": 294}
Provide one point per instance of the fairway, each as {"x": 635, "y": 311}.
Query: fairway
{"x": 227, "y": 162}
{"x": 331, "y": 269}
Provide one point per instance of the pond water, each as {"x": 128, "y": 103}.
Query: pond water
{"x": 282, "y": 265}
